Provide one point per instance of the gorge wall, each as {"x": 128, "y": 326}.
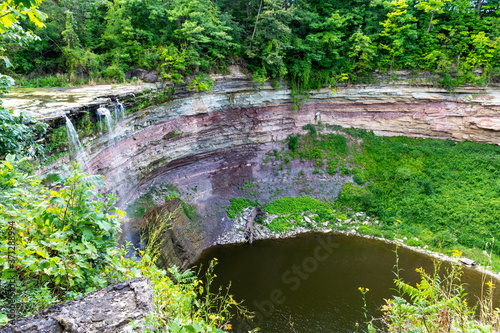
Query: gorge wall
{"x": 208, "y": 144}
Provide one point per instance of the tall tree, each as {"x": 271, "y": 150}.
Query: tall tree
{"x": 433, "y": 7}
{"x": 363, "y": 51}
{"x": 399, "y": 30}
{"x": 272, "y": 37}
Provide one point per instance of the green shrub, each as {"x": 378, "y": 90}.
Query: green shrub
{"x": 438, "y": 303}
{"x": 114, "y": 72}
{"x": 293, "y": 142}
{"x": 442, "y": 239}
{"x": 66, "y": 246}
{"x": 237, "y": 206}
{"x": 66, "y": 238}
{"x": 19, "y": 134}
{"x": 294, "y": 205}
{"x": 57, "y": 139}
{"x": 358, "y": 180}
{"x": 311, "y": 128}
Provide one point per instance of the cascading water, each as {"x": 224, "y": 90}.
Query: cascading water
{"x": 81, "y": 156}
{"x": 103, "y": 112}
{"x": 119, "y": 112}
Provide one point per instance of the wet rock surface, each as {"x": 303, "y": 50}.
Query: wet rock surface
{"x": 111, "y": 309}
{"x": 50, "y": 104}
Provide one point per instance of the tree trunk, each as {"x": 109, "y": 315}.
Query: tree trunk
{"x": 430, "y": 22}
{"x": 248, "y": 10}
{"x": 256, "y": 20}
{"x": 479, "y": 5}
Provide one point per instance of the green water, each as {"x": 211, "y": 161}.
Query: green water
{"x": 313, "y": 280}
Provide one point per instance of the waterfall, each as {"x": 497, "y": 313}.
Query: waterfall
{"x": 81, "y": 156}
{"x": 103, "y": 112}
{"x": 119, "y": 112}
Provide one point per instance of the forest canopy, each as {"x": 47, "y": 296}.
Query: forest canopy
{"x": 308, "y": 42}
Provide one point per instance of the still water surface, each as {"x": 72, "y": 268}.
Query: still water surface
{"x": 312, "y": 280}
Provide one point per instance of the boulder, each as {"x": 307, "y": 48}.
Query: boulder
{"x": 128, "y": 74}
{"x": 468, "y": 262}
{"x": 139, "y": 72}
{"x": 151, "y": 77}
{"x": 111, "y": 309}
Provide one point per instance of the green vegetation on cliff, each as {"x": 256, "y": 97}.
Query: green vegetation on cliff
{"x": 435, "y": 193}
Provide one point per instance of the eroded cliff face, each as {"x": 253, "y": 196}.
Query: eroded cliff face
{"x": 237, "y": 114}
{"x": 209, "y": 143}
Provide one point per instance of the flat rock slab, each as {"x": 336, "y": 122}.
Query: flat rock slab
{"x": 467, "y": 261}
{"x": 111, "y": 309}
{"x": 48, "y": 102}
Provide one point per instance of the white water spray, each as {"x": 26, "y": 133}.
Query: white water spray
{"x": 81, "y": 156}
{"x": 103, "y": 112}
{"x": 119, "y": 112}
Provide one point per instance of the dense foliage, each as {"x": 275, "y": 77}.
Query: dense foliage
{"x": 445, "y": 193}
{"x": 66, "y": 245}
{"x": 64, "y": 239}
{"x": 439, "y": 303}
{"x": 19, "y": 133}
{"x": 309, "y": 42}
{"x": 435, "y": 193}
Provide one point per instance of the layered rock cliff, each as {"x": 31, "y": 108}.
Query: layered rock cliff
{"x": 209, "y": 143}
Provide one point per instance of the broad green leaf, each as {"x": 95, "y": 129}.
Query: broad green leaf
{"x": 174, "y": 327}
{"x": 9, "y": 273}
{"x": 87, "y": 233}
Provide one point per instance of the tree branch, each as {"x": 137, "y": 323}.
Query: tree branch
{"x": 256, "y": 20}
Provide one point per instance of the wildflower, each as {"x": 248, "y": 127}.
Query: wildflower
{"x": 229, "y": 326}
{"x": 491, "y": 285}
{"x": 457, "y": 253}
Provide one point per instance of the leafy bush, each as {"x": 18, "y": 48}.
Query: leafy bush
{"x": 65, "y": 238}
{"x": 57, "y": 139}
{"x": 114, "y": 72}
{"x": 311, "y": 128}
{"x": 438, "y": 303}
{"x": 293, "y": 142}
{"x": 19, "y": 134}
{"x": 294, "y": 205}
{"x": 237, "y": 206}
{"x": 66, "y": 246}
